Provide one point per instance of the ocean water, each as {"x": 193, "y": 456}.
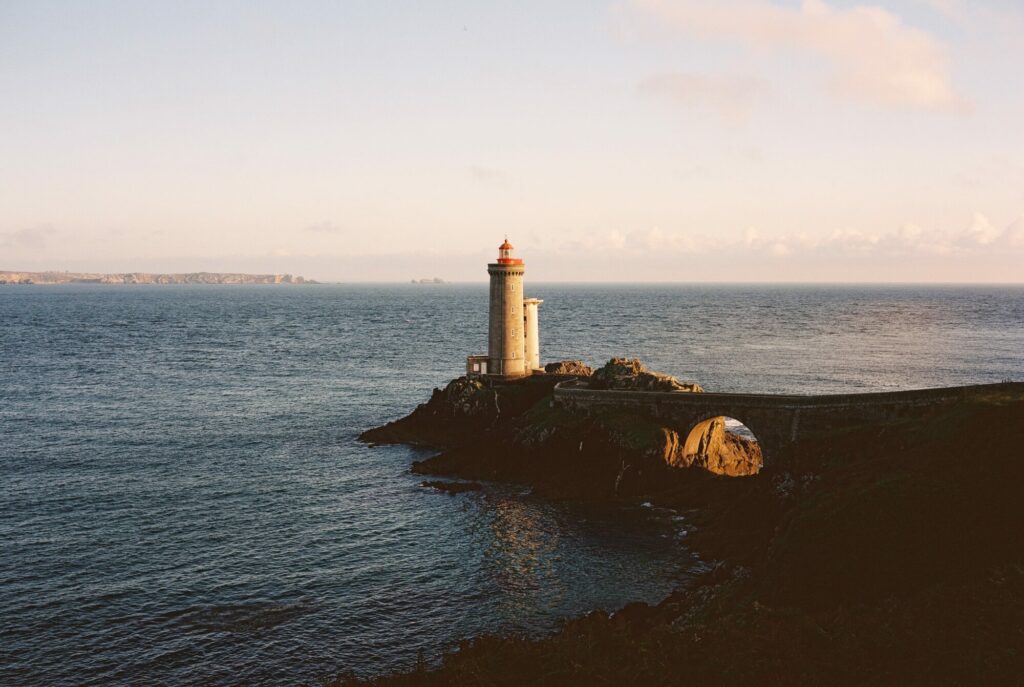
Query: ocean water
{"x": 184, "y": 500}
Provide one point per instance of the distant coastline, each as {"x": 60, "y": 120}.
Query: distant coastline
{"x": 7, "y": 277}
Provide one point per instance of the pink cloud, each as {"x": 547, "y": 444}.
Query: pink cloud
{"x": 872, "y": 56}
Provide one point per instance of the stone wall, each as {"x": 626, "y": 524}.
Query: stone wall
{"x": 776, "y": 420}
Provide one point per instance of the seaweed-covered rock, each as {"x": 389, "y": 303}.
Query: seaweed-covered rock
{"x": 629, "y": 374}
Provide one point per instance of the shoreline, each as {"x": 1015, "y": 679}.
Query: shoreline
{"x": 56, "y": 278}
{"x": 892, "y": 525}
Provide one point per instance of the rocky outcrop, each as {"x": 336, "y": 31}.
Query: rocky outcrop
{"x": 452, "y": 488}
{"x": 629, "y": 374}
{"x": 575, "y": 368}
{"x": 464, "y": 411}
{"x": 714, "y": 448}
{"x": 513, "y": 430}
{"x": 464, "y": 407}
{"x": 465, "y": 398}
{"x": 644, "y": 442}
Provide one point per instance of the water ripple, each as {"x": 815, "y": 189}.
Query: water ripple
{"x": 185, "y": 501}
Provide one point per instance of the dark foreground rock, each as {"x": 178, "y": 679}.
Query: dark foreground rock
{"x": 899, "y": 560}
{"x": 452, "y": 487}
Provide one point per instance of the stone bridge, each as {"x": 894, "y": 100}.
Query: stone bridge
{"x": 777, "y": 420}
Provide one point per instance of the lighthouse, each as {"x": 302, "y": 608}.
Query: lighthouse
{"x": 513, "y": 337}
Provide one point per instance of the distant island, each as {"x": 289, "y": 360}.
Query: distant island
{"x": 147, "y": 278}
{"x": 434, "y": 280}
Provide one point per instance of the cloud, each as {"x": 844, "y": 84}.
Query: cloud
{"x": 873, "y": 57}
{"x": 486, "y": 174}
{"x": 1013, "y": 237}
{"x": 29, "y": 237}
{"x": 731, "y": 97}
{"x": 656, "y": 239}
{"x": 979, "y": 238}
{"x": 852, "y": 242}
{"x": 595, "y": 243}
{"x": 980, "y": 232}
{"x": 324, "y": 228}
{"x": 636, "y": 243}
{"x": 948, "y": 8}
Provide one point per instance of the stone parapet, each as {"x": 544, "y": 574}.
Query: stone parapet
{"x": 778, "y": 419}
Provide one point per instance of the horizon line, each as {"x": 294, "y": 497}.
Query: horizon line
{"x": 311, "y": 281}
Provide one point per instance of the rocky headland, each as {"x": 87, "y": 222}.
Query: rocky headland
{"x": 893, "y": 555}
{"x": 8, "y": 277}
{"x": 512, "y": 430}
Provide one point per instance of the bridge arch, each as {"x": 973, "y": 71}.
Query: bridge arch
{"x": 724, "y": 445}
{"x": 779, "y": 421}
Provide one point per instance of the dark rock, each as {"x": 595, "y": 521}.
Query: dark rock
{"x": 569, "y": 367}
{"x": 452, "y": 487}
{"x": 512, "y": 430}
{"x": 460, "y": 413}
{"x": 629, "y": 374}
{"x": 896, "y": 563}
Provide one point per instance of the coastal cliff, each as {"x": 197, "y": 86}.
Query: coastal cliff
{"x": 899, "y": 559}
{"x": 8, "y": 277}
{"x": 513, "y": 430}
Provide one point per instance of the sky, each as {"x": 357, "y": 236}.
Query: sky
{"x": 637, "y": 140}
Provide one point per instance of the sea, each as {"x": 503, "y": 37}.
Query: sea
{"x": 185, "y": 501}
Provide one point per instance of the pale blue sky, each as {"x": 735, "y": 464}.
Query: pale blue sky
{"x": 644, "y": 139}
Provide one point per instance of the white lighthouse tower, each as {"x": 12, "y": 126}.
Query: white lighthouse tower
{"x": 513, "y": 341}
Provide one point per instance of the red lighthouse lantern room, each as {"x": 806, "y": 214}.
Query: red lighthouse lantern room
{"x": 505, "y": 254}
